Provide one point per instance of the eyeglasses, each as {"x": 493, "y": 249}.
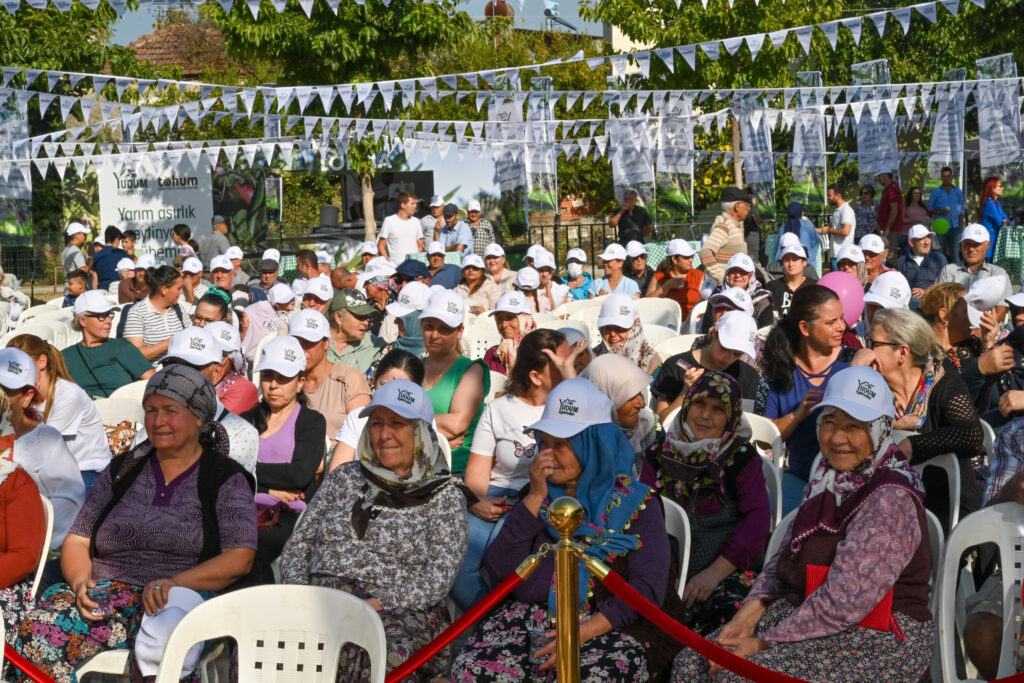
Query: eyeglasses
{"x": 100, "y": 316}
{"x": 201, "y": 321}
{"x": 872, "y": 343}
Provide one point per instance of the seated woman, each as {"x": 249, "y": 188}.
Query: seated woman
{"x": 623, "y": 333}
{"x": 931, "y": 400}
{"x": 710, "y": 468}
{"x": 234, "y": 390}
{"x": 740, "y": 275}
{"x": 503, "y": 448}
{"x": 151, "y": 323}
{"x": 549, "y": 294}
{"x": 802, "y": 352}
{"x": 455, "y": 384}
{"x": 514, "y": 319}
{"x": 292, "y": 439}
{"x": 98, "y": 363}
{"x": 861, "y": 534}
{"x": 22, "y": 531}
{"x": 725, "y": 301}
{"x": 389, "y": 528}
{"x": 623, "y": 382}
{"x": 174, "y": 511}
{"x": 676, "y": 278}
{"x": 479, "y": 291}
{"x": 850, "y": 259}
{"x": 586, "y": 457}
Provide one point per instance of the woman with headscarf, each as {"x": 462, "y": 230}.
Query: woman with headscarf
{"x": 708, "y": 465}
{"x": 740, "y": 275}
{"x": 514, "y": 319}
{"x": 804, "y": 229}
{"x": 580, "y": 454}
{"x": 622, "y": 333}
{"x": 820, "y": 610}
{"x": 389, "y": 528}
{"x": 623, "y": 382}
{"x": 173, "y": 511}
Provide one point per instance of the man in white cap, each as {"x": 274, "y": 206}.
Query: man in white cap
{"x": 794, "y": 260}
{"x": 216, "y": 243}
{"x": 483, "y": 231}
{"x": 577, "y": 279}
{"x": 890, "y": 209}
{"x": 432, "y": 223}
{"x": 726, "y": 237}
{"x": 444, "y": 274}
{"x": 875, "y": 252}
{"x": 73, "y": 257}
{"x": 367, "y": 252}
{"x": 401, "y": 234}
{"x": 306, "y": 266}
{"x": 193, "y": 285}
{"x": 614, "y": 281}
{"x": 317, "y": 294}
{"x": 323, "y": 262}
{"x": 921, "y": 264}
{"x": 974, "y": 243}
{"x": 222, "y": 272}
{"x": 497, "y": 267}
{"x": 636, "y": 268}
{"x": 269, "y": 316}
{"x": 238, "y": 276}
{"x": 125, "y": 269}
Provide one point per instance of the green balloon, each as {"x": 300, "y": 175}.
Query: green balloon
{"x": 940, "y": 226}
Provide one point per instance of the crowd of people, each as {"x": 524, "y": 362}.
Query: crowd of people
{"x": 335, "y": 431}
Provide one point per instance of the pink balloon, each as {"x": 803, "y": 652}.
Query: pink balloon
{"x": 850, "y": 293}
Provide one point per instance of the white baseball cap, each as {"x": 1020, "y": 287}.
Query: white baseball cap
{"x": 196, "y": 346}
{"x": 737, "y": 297}
{"x": 527, "y": 278}
{"x": 986, "y": 293}
{"x": 741, "y": 261}
{"x": 413, "y": 297}
{"x": 794, "y": 249}
{"x": 320, "y": 287}
{"x": 376, "y": 267}
{"x": 679, "y": 247}
{"x": 571, "y": 407}
{"x": 309, "y": 324}
{"x": 219, "y": 263}
{"x": 369, "y": 248}
{"x": 576, "y": 254}
{"x": 17, "y": 370}
{"x": 1016, "y": 300}
{"x": 406, "y": 398}
{"x": 613, "y": 252}
{"x": 889, "y": 290}
{"x": 473, "y": 261}
{"x": 280, "y": 294}
{"x": 192, "y": 265}
{"x": 975, "y": 233}
{"x": 544, "y": 259}
{"x": 446, "y": 306}
{"x": 737, "y": 331}
{"x": 473, "y": 205}
{"x": 225, "y": 335}
{"x": 271, "y": 255}
{"x": 436, "y": 200}
{"x": 851, "y": 252}
{"x": 511, "y": 301}
{"x": 75, "y": 228}
{"x": 533, "y": 250}
{"x": 92, "y": 301}
{"x": 861, "y": 392}
{"x": 635, "y": 249}
{"x": 883, "y": 169}
{"x": 322, "y": 256}
{"x": 919, "y": 231}
{"x": 435, "y": 247}
{"x": 299, "y": 286}
{"x": 125, "y": 264}
{"x": 493, "y": 249}
{"x": 145, "y": 261}
{"x": 283, "y": 355}
{"x": 872, "y": 243}
{"x": 232, "y": 253}
{"x": 619, "y": 310}
{"x": 787, "y": 239}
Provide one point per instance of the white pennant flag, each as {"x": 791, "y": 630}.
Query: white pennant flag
{"x": 666, "y": 55}
{"x": 689, "y": 53}
{"x": 711, "y": 49}
{"x": 254, "y": 8}
{"x": 51, "y": 79}
{"x": 879, "y": 18}
{"x": 307, "y": 7}
{"x": 803, "y": 34}
{"x": 831, "y": 31}
{"x": 928, "y": 10}
{"x": 754, "y": 44}
{"x": 952, "y": 6}
{"x": 778, "y": 37}
{"x": 732, "y": 45}
{"x": 903, "y": 16}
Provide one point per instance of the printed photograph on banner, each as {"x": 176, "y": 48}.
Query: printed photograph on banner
{"x": 999, "y": 127}
{"x": 633, "y": 169}
{"x": 240, "y": 195}
{"x": 541, "y": 180}
{"x": 674, "y": 192}
{"x": 510, "y": 177}
{"x": 16, "y": 189}
{"x": 808, "y": 169}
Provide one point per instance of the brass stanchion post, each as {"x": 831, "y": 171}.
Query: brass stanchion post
{"x": 565, "y": 516}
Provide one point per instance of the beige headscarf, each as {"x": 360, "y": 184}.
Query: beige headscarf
{"x": 620, "y": 379}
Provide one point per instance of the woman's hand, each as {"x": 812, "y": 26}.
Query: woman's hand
{"x": 567, "y": 366}
{"x": 540, "y": 469}
{"x": 811, "y": 400}
{"x": 593, "y": 627}
{"x": 490, "y": 509}
{"x": 286, "y": 496}
{"x": 989, "y": 328}
{"x": 672, "y": 283}
{"x": 154, "y": 595}
{"x": 741, "y": 647}
{"x": 865, "y": 357}
{"x": 907, "y": 423}
{"x": 691, "y": 375}
{"x": 700, "y": 587}
{"x": 85, "y": 604}
{"x": 1011, "y": 402}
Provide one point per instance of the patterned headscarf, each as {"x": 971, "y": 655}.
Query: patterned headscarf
{"x": 192, "y": 389}
{"x": 507, "y": 348}
{"x": 636, "y": 347}
{"x": 690, "y": 466}
{"x": 931, "y": 373}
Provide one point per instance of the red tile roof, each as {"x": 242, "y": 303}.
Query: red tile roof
{"x": 193, "y": 47}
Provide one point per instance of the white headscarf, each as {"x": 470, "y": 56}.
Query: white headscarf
{"x": 620, "y": 379}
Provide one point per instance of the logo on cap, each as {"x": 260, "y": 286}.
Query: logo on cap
{"x": 289, "y": 355}
{"x": 623, "y": 310}
{"x": 197, "y": 344}
{"x": 894, "y": 293}
{"x": 406, "y": 396}
{"x": 514, "y": 301}
{"x": 311, "y": 324}
{"x": 453, "y": 307}
{"x": 225, "y": 335}
{"x": 567, "y": 406}
{"x": 14, "y": 367}
{"x": 404, "y": 298}
{"x": 866, "y": 389}
{"x": 753, "y": 337}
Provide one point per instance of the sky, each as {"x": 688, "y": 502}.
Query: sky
{"x": 134, "y": 25}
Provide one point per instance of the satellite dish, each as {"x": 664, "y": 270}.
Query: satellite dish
{"x": 498, "y": 8}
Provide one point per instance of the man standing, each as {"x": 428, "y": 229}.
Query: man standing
{"x": 843, "y": 223}
{"x": 890, "y": 210}
{"x": 216, "y": 243}
{"x": 974, "y": 242}
{"x": 238, "y": 276}
{"x": 947, "y": 201}
{"x": 726, "y": 237}
{"x": 73, "y": 257}
{"x": 306, "y": 267}
{"x": 401, "y": 234}
{"x": 269, "y": 265}
{"x": 455, "y": 235}
{"x": 922, "y": 265}
{"x": 632, "y": 220}
{"x": 433, "y": 222}
{"x": 483, "y": 231}
{"x": 351, "y": 342}
{"x": 104, "y": 263}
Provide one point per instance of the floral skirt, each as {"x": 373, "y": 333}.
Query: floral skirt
{"x": 406, "y": 631}
{"x": 856, "y": 654}
{"x": 16, "y": 601}
{"x": 722, "y": 604}
{"x": 499, "y": 651}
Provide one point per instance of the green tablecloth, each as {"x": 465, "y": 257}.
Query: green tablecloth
{"x": 1009, "y": 252}
{"x": 657, "y": 251}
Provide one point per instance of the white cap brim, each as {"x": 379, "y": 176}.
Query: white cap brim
{"x": 560, "y": 429}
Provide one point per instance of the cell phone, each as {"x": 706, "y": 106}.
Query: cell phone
{"x": 683, "y": 364}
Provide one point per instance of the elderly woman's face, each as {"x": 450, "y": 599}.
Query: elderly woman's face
{"x": 629, "y": 412}
{"x": 507, "y": 323}
{"x": 394, "y": 440}
{"x": 845, "y": 442}
{"x": 706, "y": 417}
{"x": 737, "y": 277}
{"x": 614, "y": 335}
{"x": 567, "y": 468}
{"x": 888, "y": 358}
{"x": 170, "y": 424}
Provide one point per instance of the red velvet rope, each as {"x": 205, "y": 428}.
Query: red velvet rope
{"x": 26, "y": 667}
{"x": 452, "y": 632}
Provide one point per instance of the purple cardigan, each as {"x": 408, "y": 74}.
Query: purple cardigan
{"x": 522, "y": 535}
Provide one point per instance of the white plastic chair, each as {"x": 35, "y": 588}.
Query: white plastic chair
{"x": 112, "y": 662}
{"x": 692, "y": 324}
{"x": 48, "y": 521}
{"x": 937, "y": 542}
{"x": 775, "y": 542}
{"x": 476, "y": 339}
{"x": 446, "y": 448}
{"x": 133, "y": 391}
{"x": 658, "y": 333}
{"x": 41, "y": 330}
{"x": 989, "y": 445}
{"x": 115, "y": 410}
{"x": 748, "y": 407}
{"x": 300, "y": 638}
{"x": 680, "y": 343}
{"x": 665, "y": 312}
{"x": 497, "y": 386}
{"x": 558, "y": 324}
{"x": 773, "y": 480}
{"x": 678, "y": 526}
{"x": 1003, "y": 525}
{"x": 256, "y": 360}
{"x": 764, "y": 431}
{"x": 948, "y": 463}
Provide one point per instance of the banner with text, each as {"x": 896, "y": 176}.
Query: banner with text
{"x": 541, "y": 179}
{"x": 999, "y": 134}
{"x": 16, "y": 188}
{"x": 757, "y": 157}
{"x": 633, "y": 169}
{"x": 810, "y": 175}
{"x": 947, "y": 148}
{"x": 673, "y": 175}
{"x": 510, "y": 177}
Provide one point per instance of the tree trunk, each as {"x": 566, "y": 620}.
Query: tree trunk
{"x": 737, "y": 161}
{"x": 369, "y": 221}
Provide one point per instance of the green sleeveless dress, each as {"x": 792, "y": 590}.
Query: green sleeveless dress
{"x": 441, "y": 399}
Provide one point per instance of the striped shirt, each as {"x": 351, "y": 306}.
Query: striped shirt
{"x": 144, "y": 321}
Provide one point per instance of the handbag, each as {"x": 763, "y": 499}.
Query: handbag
{"x": 267, "y": 518}
{"x": 880, "y": 618}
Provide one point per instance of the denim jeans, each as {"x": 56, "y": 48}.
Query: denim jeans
{"x": 470, "y": 585}
{"x": 792, "y": 492}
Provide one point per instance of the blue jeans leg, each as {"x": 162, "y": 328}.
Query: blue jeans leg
{"x": 792, "y": 492}
{"x": 469, "y": 584}
{"x": 953, "y": 238}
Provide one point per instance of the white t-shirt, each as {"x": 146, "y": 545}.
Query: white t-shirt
{"x": 503, "y": 434}
{"x": 44, "y": 455}
{"x": 74, "y": 415}
{"x": 402, "y": 237}
{"x": 843, "y": 215}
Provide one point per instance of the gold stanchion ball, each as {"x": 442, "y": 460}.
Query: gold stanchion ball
{"x": 565, "y": 515}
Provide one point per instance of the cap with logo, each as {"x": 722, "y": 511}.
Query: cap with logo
{"x": 860, "y": 392}
{"x": 145, "y": 261}
{"x": 986, "y": 293}
{"x": 232, "y": 253}
{"x": 473, "y": 261}
{"x": 271, "y": 255}
{"x": 76, "y": 228}
{"x": 975, "y": 233}
{"x": 919, "y": 231}
{"x": 413, "y": 297}
{"x": 405, "y": 398}
{"x": 527, "y": 279}
{"x": 127, "y": 264}
{"x": 571, "y": 407}
{"x": 544, "y": 259}
{"x": 192, "y": 265}
{"x": 280, "y": 294}
{"x": 196, "y": 346}
{"x": 735, "y": 298}
{"x": 511, "y": 302}
{"x": 737, "y": 331}
{"x": 576, "y": 254}
{"x": 225, "y": 335}
{"x": 92, "y": 301}
{"x": 493, "y": 249}
{"x": 787, "y": 239}
{"x": 16, "y": 369}
{"x": 619, "y": 310}
{"x": 344, "y": 302}
{"x": 320, "y": 287}
{"x": 376, "y": 267}
{"x": 679, "y": 247}
{"x": 533, "y": 250}
{"x": 309, "y": 324}
{"x": 436, "y": 200}
{"x": 446, "y": 306}
{"x": 741, "y": 261}
{"x": 872, "y": 243}
{"x": 220, "y": 263}
{"x": 283, "y": 355}
{"x": 613, "y": 252}
{"x": 369, "y": 248}
{"x": 794, "y": 250}
{"x": 635, "y": 249}
{"x": 889, "y": 290}
{"x": 473, "y": 205}
{"x": 435, "y": 247}
{"x": 852, "y": 253}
